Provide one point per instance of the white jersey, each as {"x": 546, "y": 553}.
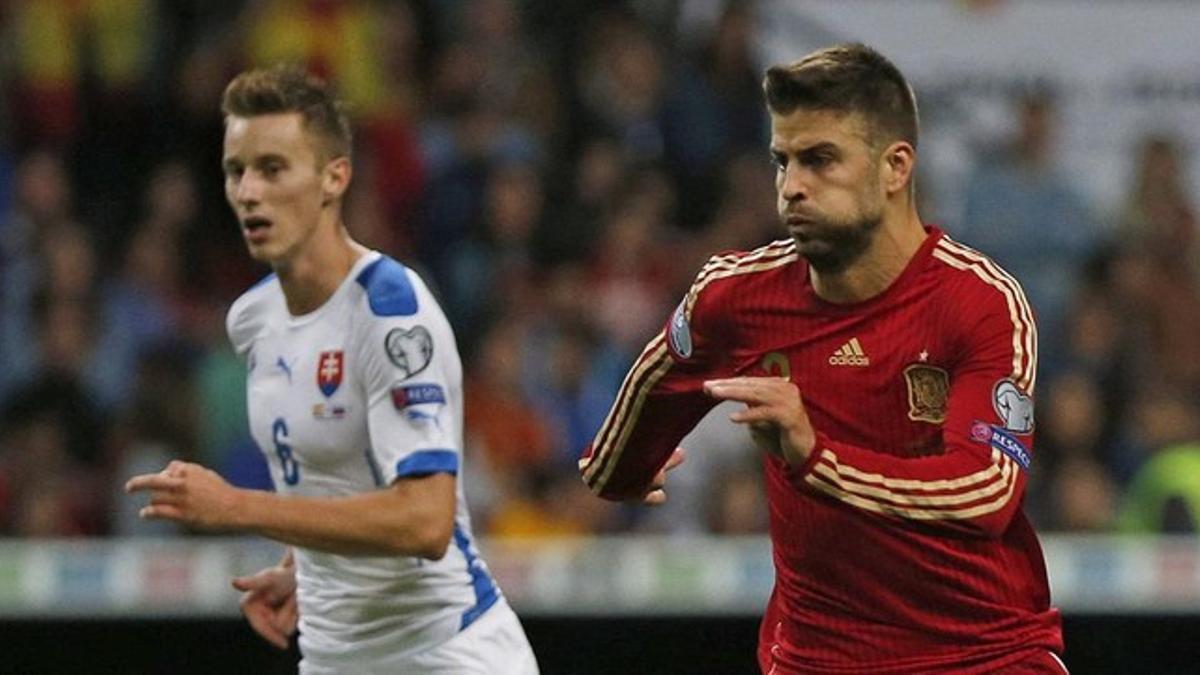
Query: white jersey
{"x": 346, "y": 399}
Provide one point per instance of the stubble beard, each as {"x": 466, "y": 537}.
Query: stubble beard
{"x": 831, "y": 245}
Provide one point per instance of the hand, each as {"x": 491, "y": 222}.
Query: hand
{"x": 188, "y": 493}
{"x": 656, "y": 495}
{"x": 774, "y": 412}
{"x": 269, "y": 602}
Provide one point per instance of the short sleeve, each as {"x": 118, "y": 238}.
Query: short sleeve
{"x": 411, "y": 374}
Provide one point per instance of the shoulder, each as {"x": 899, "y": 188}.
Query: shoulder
{"x": 396, "y": 312}
{"x": 250, "y": 312}
{"x": 973, "y": 277}
{"x": 991, "y": 313}
{"x": 390, "y": 288}
{"x": 726, "y": 273}
{"x": 391, "y": 292}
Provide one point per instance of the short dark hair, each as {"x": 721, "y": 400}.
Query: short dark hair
{"x": 850, "y": 78}
{"x": 287, "y": 89}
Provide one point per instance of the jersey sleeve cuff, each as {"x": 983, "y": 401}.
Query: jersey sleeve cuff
{"x": 811, "y": 461}
{"x": 425, "y": 462}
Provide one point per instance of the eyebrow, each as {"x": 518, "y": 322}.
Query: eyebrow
{"x": 260, "y": 159}
{"x": 815, "y": 147}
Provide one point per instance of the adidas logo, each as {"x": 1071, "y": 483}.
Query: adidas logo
{"x": 850, "y": 354}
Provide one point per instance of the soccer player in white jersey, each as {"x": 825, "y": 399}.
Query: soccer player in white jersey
{"x": 355, "y": 397}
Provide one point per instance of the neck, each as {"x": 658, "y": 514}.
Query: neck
{"x": 895, "y": 243}
{"x": 311, "y": 276}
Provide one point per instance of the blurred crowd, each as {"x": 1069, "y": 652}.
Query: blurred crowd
{"x": 558, "y": 172}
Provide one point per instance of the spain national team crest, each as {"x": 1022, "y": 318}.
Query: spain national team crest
{"x": 928, "y": 391}
{"x": 329, "y": 371}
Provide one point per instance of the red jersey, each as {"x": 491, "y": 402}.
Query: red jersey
{"x": 900, "y": 545}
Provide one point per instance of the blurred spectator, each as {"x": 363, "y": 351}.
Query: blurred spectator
{"x": 64, "y": 325}
{"x": 51, "y": 481}
{"x": 504, "y": 431}
{"x": 158, "y": 425}
{"x": 572, "y": 387}
{"x": 1158, "y": 214}
{"x": 481, "y": 267}
{"x": 737, "y": 506}
{"x": 1072, "y": 488}
{"x": 621, "y": 82}
{"x": 1160, "y": 415}
{"x": 552, "y": 504}
{"x": 713, "y": 110}
{"x": 1029, "y": 218}
{"x": 630, "y": 272}
{"x": 1164, "y": 497}
{"x": 595, "y": 183}
{"x": 1084, "y": 496}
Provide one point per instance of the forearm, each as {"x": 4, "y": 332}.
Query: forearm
{"x": 965, "y": 490}
{"x": 373, "y": 523}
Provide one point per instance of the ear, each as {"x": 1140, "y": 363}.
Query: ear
{"x": 899, "y": 163}
{"x": 335, "y": 178}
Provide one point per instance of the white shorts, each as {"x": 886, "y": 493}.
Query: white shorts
{"x": 494, "y": 644}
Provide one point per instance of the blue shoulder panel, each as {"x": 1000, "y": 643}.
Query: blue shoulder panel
{"x": 389, "y": 292}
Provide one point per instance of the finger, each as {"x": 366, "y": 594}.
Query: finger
{"x": 287, "y": 616}
{"x": 676, "y": 458}
{"x": 768, "y": 380}
{"x": 758, "y": 414}
{"x": 153, "y": 481}
{"x": 253, "y": 582}
{"x": 655, "y": 498}
{"x": 260, "y": 620}
{"x": 738, "y": 380}
{"x": 745, "y": 393}
{"x": 161, "y": 512}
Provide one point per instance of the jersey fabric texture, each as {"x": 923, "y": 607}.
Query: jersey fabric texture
{"x": 900, "y": 545}
{"x": 360, "y": 392}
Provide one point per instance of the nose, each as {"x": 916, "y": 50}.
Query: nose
{"x": 249, "y": 190}
{"x": 792, "y": 183}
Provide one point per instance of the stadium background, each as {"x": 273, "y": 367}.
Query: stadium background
{"x": 559, "y": 171}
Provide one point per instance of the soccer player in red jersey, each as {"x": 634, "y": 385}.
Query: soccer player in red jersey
{"x": 889, "y": 372}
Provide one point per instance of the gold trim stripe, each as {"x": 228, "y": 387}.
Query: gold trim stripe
{"x": 627, "y": 428}
{"x": 654, "y": 351}
{"x": 1019, "y": 372}
{"x": 731, "y": 260}
{"x": 777, "y": 246}
{"x": 655, "y": 360}
{"x": 1018, "y": 291}
{"x": 982, "y": 476}
{"x": 910, "y": 513}
{"x": 735, "y": 271}
{"x": 719, "y": 267}
{"x": 836, "y": 475}
{"x": 1015, "y": 293}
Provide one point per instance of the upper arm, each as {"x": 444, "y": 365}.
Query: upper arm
{"x": 659, "y": 402}
{"x": 429, "y": 500}
{"x": 412, "y": 376}
{"x": 992, "y": 386}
